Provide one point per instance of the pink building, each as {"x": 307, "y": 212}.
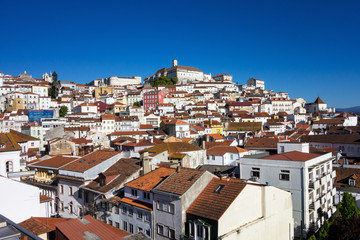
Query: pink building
{"x": 152, "y": 99}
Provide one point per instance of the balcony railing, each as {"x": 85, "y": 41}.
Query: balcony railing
{"x": 312, "y": 206}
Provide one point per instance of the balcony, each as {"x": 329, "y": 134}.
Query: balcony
{"x": 312, "y": 206}
{"x": 311, "y": 185}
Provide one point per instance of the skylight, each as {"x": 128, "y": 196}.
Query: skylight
{"x": 219, "y": 188}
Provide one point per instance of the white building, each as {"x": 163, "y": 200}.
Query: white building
{"x": 21, "y": 201}
{"x": 122, "y": 81}
{"x": 257, "y": 83}
{"x": 231, "y": 209}
{"x": 224, "y": 155}
{"x": 78, "y": 173}
{"x": 309, "y": 177}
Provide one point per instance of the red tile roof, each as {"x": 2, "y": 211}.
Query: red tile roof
{"x": 54, "y": 162}
{"x": 292, "y": 156}
{"x": 75, "y": 229}
{"x": 89, "y": 161}
{"x": 221, "y": 150}
{"x": 151, "y": 179}
{"x": 212, "y": 204}
{"x": 41, "y": 225}
{"x": 180, "y": 181}
{"x": 137, "y": 203}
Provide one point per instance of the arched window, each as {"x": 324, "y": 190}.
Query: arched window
{"x": 9, "y": 166}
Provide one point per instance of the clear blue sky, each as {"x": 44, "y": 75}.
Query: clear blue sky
{"x": 307, "y": 48}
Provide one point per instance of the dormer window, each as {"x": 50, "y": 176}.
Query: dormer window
{"x": 352, "y": 182}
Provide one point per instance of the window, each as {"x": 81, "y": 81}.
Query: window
{"x": 79, "y": 211}
{"x": 255, "y": 172}
{"x": 131, "y": 228}
{"x": 148, "y": 232}
{"x": 199, "y": 230}
{"x": 117, "y": 225}
{"x": 147, "y": 217}
{"x": 146, "y": 195}
{"x": 80, "y": 193}
{"x": 171, "y": 233}
{"x": 9, "y": 166}
{"x": 139, "y": 214}
{"x": 213, "y": 157}
{"x": 140, "y": 229}
{"x": 160, "y": 230}
{"x": 116, "y": 210}
{"x": 125, "y": 226}
{"x": 61, "y": 189}
{"x": 351, "y": 182}
{"x": 130, "y": 211}
{"x": 124, "y": 209}
{"x": 70, "y": 191}
{"x": 61, "y": 206}
{"x": 134, "y": 192}
{"x": 282, "y": 149}
{"x": 110, "y": 222}
{"x": 192, "y": 229}
{"x": 171, "y": 208}
{"x": 206, "y": 230}
{"x": 103, "y": 205}
{"x": 285, "y": 175}
{"x": 70, "y": 209}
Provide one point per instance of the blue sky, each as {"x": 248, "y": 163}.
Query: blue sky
{"x": 307, "y": 48}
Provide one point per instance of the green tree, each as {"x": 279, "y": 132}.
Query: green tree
{"x": 324, "y": 231}
{"x": 63, "y": 111}
{"x": 163, "y": 81}
{"x": 136, "y": 104}
{"x": 174, "y": 80}
{"x": 312, "y": 237}
{"x": 347, "y": 207}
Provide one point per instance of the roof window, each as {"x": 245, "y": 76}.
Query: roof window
{"x": 219, "y": 188}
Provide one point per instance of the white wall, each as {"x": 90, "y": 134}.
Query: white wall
{"x": 19, "y": 201}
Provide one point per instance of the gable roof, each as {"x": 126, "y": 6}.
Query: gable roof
{"x": 8, "y": 143}
{"x": 173, "y": 147}
{"x": 89, "y": 161}
{"x": 212, "y": 204}
{"x": 115, "y": 175}
{"x": 151, "y": 179}
{"x": 268, "y": 143}
{"x": 318, "y": 100}
{"x": 343, "y": 174}
{"x": 76, "y": 229}
{"x": 221, "y": 150}
{"x": 54, "y": 162}
{"x": 41, "y": 225}
{"x": 180, "y": 181}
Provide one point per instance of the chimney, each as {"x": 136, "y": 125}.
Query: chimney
{"x": 178, "y": 168}
{"x": 145, "y": 162}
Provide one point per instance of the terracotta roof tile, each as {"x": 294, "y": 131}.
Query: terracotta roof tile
{"x": 221, "y": 150}
{"x": 218, "y": 200}
{"x": 137, "y": 203}
{"x": 74, "y": 229}
{"x": 54, "y": 162}
{"x": 292, "y": 156}
{"x": 151, "y": 179}
{"x": 180, "y": 181}
{"x": 89, "y": 161}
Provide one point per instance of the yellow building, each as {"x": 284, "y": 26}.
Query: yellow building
{"x": 103, "y": 90}
{"x": 216, "y": 126}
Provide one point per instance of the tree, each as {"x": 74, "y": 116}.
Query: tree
{"x": 312, "y": 237}
{"x": 136, "y": 104}
{"x": 324, "y": 231}
{"x": 347, "y": 207}
{"x": 345, "y": 229}
{"x": 174, "y": 80}
{"x": 63, "y": 111}
{"x": 164, "y": 81}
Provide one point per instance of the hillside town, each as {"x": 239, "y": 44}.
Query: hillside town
{"x": 179, "y": 154}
